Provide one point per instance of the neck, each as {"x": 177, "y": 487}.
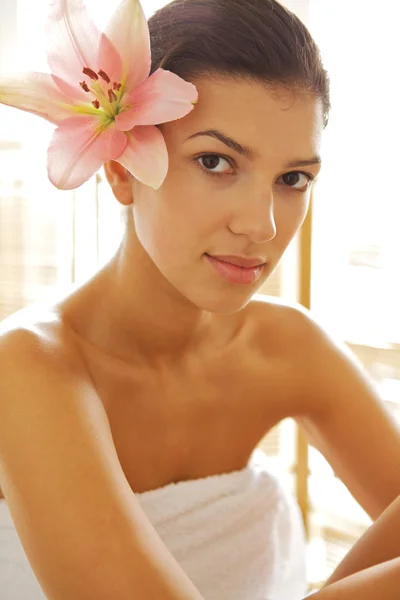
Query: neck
{"x": 131, "y": 311}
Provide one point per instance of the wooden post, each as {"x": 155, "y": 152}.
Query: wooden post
{"x": 304, "y": 298}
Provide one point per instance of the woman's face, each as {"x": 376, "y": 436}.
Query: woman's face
{"x": 229, "y": 192}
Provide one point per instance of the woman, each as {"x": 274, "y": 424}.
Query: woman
{"x": 132, "y": 408}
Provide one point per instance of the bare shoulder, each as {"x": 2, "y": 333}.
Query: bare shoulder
{"x": 39, "y": 320}
{"x": 39, "y": 369}
{"x": 35, "y": 345}
{"x": 38, "y": 333}
{"x": 296, "y": 327}
{"x": 286, "y": 323}
{"x": 312, "y": 355}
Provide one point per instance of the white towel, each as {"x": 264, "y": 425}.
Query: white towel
{"x": 239, "y": 536}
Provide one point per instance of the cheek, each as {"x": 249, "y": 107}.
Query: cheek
{"x": 290, "y": 216}
{"x": 152, "y": 230}
{"x": 164, "y": 226}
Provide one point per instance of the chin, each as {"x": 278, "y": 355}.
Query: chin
{"x": 223, "y": 303}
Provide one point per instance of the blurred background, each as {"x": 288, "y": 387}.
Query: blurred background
{"x": 344, "y": 263}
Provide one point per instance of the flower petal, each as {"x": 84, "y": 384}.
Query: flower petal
{"x": 79, "y": 148}
{"x": 146, "y": 156}
{"x": 162, "y": 97}
{"x": 74, "y": 42}
{"x": 36, "y": 93}
{"x": 129, "y": 32}
{"x": 110, "y": 60}
{"x": 74, "y": 93}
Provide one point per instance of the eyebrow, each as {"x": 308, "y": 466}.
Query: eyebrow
{"x": 247, "y": 152}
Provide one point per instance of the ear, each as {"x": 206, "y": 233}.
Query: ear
{"x": 120, "y": 181}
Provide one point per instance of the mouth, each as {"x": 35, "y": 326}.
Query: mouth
{"x": 239, "y": 261}
{"x": 242, "y": 271}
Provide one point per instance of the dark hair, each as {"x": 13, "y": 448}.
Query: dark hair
{"x": 258, "y": 39}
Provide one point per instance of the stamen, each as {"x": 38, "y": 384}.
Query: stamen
{"x": 112, "y": 96}
{"x": 96, "y": 103}
{"x": 104, "y": 76}
{"x": 90, "y": 73}
{"x": 117, "y": 86}
{"x": 84, "y": 86}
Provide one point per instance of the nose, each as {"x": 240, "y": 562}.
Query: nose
{"x": 255, "y": 218}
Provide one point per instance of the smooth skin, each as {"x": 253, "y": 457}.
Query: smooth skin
{"x": 371, "y": 570}
{"x": 379, "y": 544}
{"x": 381, "y": 582}
{"x": 157, "y": 356}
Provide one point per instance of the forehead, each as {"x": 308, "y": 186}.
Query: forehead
{"x": 271, "y": 123}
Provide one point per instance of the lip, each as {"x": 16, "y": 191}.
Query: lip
{"x": 236, "y": 273}
{"x": 239, "y": 261}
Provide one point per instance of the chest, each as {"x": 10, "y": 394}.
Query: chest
{"x": 175, "y": 424}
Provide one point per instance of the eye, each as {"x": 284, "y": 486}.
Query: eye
{"x": 214, "y": 164}
{"x": 293, "y": 178}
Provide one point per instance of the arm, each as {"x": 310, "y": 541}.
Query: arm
{"x": 79, "y": 522}
{"x": 345, "y": 418}
{"x": 371, "y": 570}
{"x": 381, "y": 582}
{"x": 379, "y": 544}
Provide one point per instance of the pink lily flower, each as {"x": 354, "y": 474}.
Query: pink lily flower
{"x": 100, "y": 96}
